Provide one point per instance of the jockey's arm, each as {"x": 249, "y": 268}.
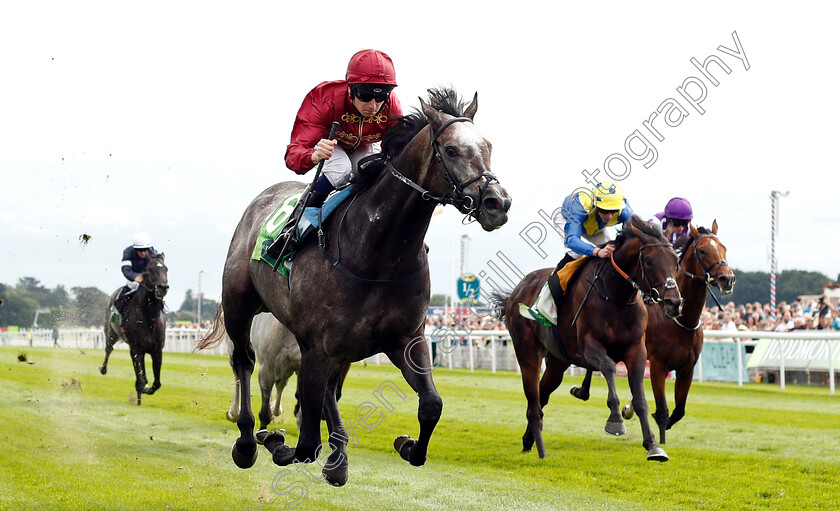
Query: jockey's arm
{"x": 311, "y": 124}
{"x": 574, "y": 238}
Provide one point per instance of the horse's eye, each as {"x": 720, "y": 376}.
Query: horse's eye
{"x": 648, "y": 261}
{"x": 451, "y": 151}
{"x": 702, "y": 251}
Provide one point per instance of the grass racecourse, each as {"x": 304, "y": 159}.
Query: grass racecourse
{"x": 72, "y": 439}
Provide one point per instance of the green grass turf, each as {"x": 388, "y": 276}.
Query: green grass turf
{"x": 72, "y": 439}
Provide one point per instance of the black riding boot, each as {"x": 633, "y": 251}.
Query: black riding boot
{"x": 122, "y": 299}
{"x": 554, "y": 282}
{"x": 275, "y": 251}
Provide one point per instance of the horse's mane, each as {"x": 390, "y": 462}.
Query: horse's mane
{"x": 398, "y": 136}
{"x": 704, "y": 230}
{"x": 626, "y": 234}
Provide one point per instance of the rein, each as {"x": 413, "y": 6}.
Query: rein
{"x": 336, "y": 261}
{"x": 459, "y": 200}
{"x": 707, "y": 274}
{"x": 651, "y": 296}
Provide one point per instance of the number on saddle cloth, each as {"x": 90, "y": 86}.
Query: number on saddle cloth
{"x": 274, "y": 224}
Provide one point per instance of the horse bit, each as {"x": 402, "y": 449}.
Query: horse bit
{"x": 652, "y": 296}
{"x": 706, "y": 270}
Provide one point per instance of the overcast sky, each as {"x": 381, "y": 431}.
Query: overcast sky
{"x": 169, "y": 117}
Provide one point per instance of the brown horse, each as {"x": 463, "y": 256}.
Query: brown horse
{"x": 609, "y": 328}
{"x": 140, "y": 324}
{"x": 364, "y": 288}
{"x": 674, "y": 344}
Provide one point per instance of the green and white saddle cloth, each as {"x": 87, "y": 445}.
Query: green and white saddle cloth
{"x": 271, "y": 228}
{"x": 544, "y": 309}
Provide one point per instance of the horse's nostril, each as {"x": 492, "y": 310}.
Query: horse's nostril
{"x": 492, "y": 203}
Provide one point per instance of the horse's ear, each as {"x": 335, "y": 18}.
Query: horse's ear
{"x": 714, "y": 226}
{"x": 637, "y": 232}
{"x": 431, "y": 114}
{"x": 694, "y": 232}
{"x": 472, "y": 107}
{"x": 161, "y": 255}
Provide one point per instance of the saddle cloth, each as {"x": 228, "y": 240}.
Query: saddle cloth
{"x": 273, "y": 225}
{"x": 544, "y": 309}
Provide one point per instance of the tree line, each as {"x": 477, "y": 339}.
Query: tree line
{"x": 29, "y": 304}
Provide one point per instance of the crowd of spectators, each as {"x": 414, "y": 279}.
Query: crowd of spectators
{"x": 816, "y": 314}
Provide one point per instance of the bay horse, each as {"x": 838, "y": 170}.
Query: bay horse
{"x": 597, "y": 331}
{"x": 140, "y": 324}
{"x": 364, "y": 288}
{"x": 674, "y": 344}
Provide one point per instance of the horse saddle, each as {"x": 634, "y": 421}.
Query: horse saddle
{"x": 309, "y": 222}
{"x": 548, "y": 301}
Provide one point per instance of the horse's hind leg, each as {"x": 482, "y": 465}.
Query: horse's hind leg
{"x": 411, "y": 356}
{"x": 551, "y": 378}
{"x": 529, "y": 357}
{"x": 582, "y": 392}
{"x": 277, "y": 405}
{"x": 681, "y": 388}
{"x": 658, "y": 373}
{"x": 244, "y": 450}
{"x": 266, "y": 385}
{"x": 109, "y": 347}
{"x": 138, "y": 358}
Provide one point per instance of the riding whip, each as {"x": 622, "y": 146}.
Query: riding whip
{"x": 302, "y": 204}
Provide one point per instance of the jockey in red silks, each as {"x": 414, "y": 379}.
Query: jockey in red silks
{"x": 364, "y": 106}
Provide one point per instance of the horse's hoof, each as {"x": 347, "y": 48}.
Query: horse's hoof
{"x": 615, "y": 428}
{"x": 578, "y": 393}
{"x": 338, "y": 475}
{"x": 103, "y": 370}
{"x": 627, "y": 412}
{"x": 272, "y": 437}
{"x": 404, "y": 444}
{"x": 282, "y": 454}
{"x": 243, "y": 458}
{"x": 657, "y": 453}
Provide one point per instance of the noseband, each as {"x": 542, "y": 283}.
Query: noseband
{"x": 652, "y": 296}
{"x": 459, "y": 200}
{"x": 707, "y": 271}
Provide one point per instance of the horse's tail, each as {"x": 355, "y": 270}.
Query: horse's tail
{"x": 215, "y": 335}
{"x": 498, "y": 302}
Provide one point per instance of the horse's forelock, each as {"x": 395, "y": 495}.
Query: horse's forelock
{"x": 442, "y": 99}
{"x": 446, "y": 100}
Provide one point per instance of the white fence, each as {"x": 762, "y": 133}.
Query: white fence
{"x": 476, "y": 349}
{"x": 178, "y": 340}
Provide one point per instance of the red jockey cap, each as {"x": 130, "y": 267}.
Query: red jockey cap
{"x": 371, "y": 66}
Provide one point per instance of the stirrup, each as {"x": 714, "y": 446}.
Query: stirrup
{"x": 275, "y": 250}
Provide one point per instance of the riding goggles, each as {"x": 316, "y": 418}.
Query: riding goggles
{"x": 378, "y": 94}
